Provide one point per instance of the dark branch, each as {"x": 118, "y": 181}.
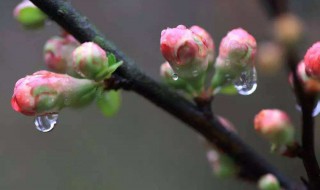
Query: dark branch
{"x": 307, "y": 101}
{"x": 79, "y": 26}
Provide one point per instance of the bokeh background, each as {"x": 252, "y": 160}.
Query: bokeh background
{"x": 143, "y": 147}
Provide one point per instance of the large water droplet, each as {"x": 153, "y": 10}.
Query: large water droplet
{"x": 46, "y": 123}
{"x": 175, "y": 76}
{"x": 316, "y": 109}
{"x": 246, "y": 84}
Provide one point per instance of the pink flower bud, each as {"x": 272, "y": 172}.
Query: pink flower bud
{"x": 238, "y": 46}
{"x": 29, "y": 15}
{"x": 275, "y": 125}
{"x": 310, "y": 85}
{"x": 185, "y": 50}
{"x": 269, "y": 182}
{"x": 58, "y": 54}
{"x": 89, "y": 60}
{"x": 206, "y": 38}
{"x": 312, "y": 61}
{"x": 166, "y": 71}
{"x": 45, "y": 92}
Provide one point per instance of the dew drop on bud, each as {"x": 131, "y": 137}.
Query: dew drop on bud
{"x": 175, "y": 76}
{"x": 46, "y": 123}
{"x": 246, "y": 84}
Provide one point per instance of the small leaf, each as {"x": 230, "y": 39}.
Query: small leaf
{"x": 228, "y": 90}
{"x": 111, "y": 59}
{"x": 109, "y": 102}
{"x": 114, "y": 67}
{"x": 32, "y": 18}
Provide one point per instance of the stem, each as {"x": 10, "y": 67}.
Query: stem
{"x": 65, "y": 15}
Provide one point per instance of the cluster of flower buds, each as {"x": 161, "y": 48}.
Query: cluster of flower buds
{"x": 30, "y": 16}
{"x": 45, "y": 92}
{"x": 275, "y": 125}
{"x": 269, "y": 182}
{"x": 236, "y": 56}
{"x": 189, "y": 52}
{"x": 58, "y": 54}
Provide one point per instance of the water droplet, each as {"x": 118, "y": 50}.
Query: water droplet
{"x": 195, "y": 73}
{"x": 246, "y": 84}
{"x": 316, "y": 109}
{"x": 46, "y": 123}
{"x": 175, "y": 76}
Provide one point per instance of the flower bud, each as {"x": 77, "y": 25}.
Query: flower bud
{"x": 45, "y": 92}
{"x": 288, "y": 29}
{"x": 186, "y": 51}
{"x": 58, "y": 54}
{"x": 310, "y": 85}
{"x": 274, "y": 125}
{"x": 236, "y": 55}
{"x": 238, "y": 46}
{"x": 29, "y": 15}
{"x": 170, "y": 77}
{"x": 89, "y": 60}
{"x": 207, "y": 40}
{"x": 222, "y": 165}
{"x": 268, "y": 182}
{"x": 312, "y": 61}
{"x": 270, "y": 58}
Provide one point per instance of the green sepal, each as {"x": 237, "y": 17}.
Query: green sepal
{"x": 107, "y": 72}
{"x": 227, "y": 167}
{"x": 109, "y": 102}
{"x": 111, "y": 59}
{"x": 32, "y": 18}
{"x": 228, "y": 90}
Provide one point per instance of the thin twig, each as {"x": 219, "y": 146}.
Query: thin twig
{"x": 66, "y": 16}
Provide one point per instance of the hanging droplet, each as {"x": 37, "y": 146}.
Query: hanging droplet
{"x": 46, "y": 123}
{"x": 316, "y": 109}
{"x": 246, "y": 84}
{"x": 175, "y": 76}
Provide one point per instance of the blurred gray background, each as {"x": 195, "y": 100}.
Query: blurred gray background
{"x": 143, "y": 147}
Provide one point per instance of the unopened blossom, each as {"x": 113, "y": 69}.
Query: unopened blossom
{"x": 187, "y": 52}
{"x": 236, "y": 55}
{"x": 239, "y": 47}
{"x": 45, "y": 92}
{"x": 222, "y": 165}
{"x": 269, "y": 182}
{"x": 274, "y": 125}
{"x": 312, "y": 61}
{"x": 58, "y": 54}
{"x": 207, "y": 40}
{"x": 29, "y": 15}
{"x": 309, "y": 84}
{"x": 89, "y": 60}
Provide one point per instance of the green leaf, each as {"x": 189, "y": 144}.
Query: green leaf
{"x": 111, "y": 59}
{"x": 114, "y": 67}
{"x": 109, "y": 102}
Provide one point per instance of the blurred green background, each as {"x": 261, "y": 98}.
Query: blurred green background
{"x": 143, "y": 147}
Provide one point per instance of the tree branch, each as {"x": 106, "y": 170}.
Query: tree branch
{"x": 65, "y": 15}
{"x": 307, "y": 101}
